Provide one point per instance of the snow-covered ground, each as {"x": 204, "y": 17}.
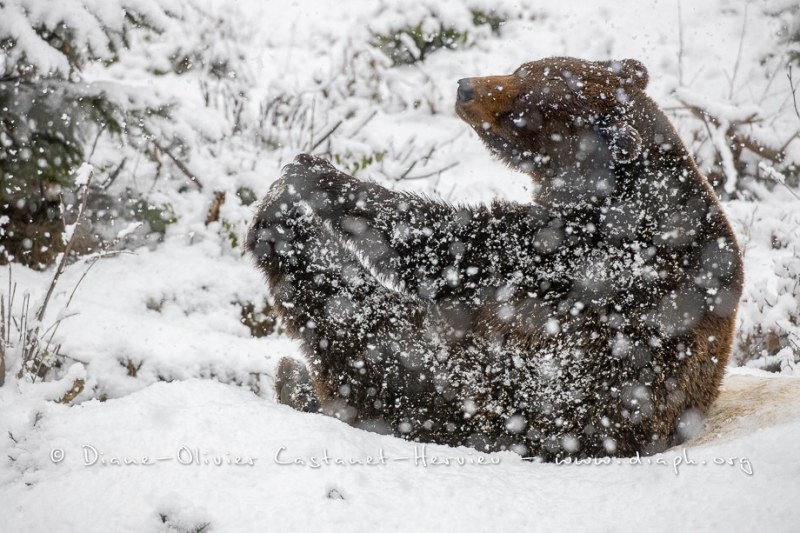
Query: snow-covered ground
{"x": 743, "y": 480}
{"x": 168, "y": 372}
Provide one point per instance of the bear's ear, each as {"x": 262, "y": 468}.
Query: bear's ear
{"x": 623, "y": 140}
{"x": 629, "y": 72}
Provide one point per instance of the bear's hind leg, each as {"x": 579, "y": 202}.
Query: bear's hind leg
{"x": 293, "y": 386}
{"x": 364, "y": 342}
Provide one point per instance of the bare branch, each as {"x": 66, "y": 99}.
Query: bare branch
{"x": 680, "y": 45}
{"x": 322, "y": 139}
{"x": 63, "y": 262}
{"x": 361, "y": 126}
{"x": 216, "y": 205}
{"x": 106, "y": 184}
{"x": 435, "y": 172}
{"x": 3, "y": 337}
{"x": 776, "y": 156}
{"x": 738, "y": 52}
{"x": 181, "y": 166}
{"x": 29, "y": 335}
{"x": 409, "y": 169}
{"x": 94, "y": 144}
{"x": 794, "y": 92}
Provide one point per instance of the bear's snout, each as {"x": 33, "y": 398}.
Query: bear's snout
{"x": 465, "y": 90}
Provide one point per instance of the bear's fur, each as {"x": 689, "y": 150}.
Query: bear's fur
{"x": 586, "y": 324}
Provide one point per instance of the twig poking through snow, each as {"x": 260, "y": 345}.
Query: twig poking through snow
{"x": 32, "y": 346}
{"x": 181, "y": 166}
{"x": 83, "y": 178}
{"x": 429, "y": 174}
{"x": 794, "y": 92}
{"x": 322, "y": 139}
{"x": 720, "y": 141}
{"x": 680, "y": 45}
{"x": 738, "y": 53}
{"x": 773, "y": 174}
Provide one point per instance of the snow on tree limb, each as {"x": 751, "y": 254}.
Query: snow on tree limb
{"x": 53, "y": 39}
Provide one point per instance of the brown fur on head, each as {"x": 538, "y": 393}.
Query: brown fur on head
{"x": 548, "y": 112}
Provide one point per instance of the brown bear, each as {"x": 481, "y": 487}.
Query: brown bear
{"x": 585, "y": 324}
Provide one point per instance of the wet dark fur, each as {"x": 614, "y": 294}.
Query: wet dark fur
{"x": 584, "y": 325}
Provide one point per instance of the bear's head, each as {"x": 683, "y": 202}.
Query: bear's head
{"x": 556, "y": 115}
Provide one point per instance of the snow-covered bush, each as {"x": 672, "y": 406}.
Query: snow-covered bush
{"x": 56, "y": 39}
{"x": 742, "y": 124}
{"x": 789, "y": 11}
{"x": 742, "y": 132}
{"x": 768, "y": 333}
{"x": 49, "y": 116}
{"x": 408, "y": 44}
